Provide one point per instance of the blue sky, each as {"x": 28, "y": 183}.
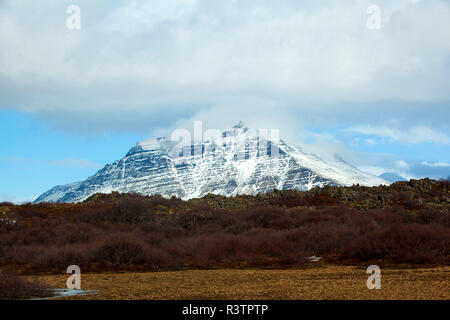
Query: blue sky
{"x": 72, "y": 101}
{"x": 34, "y": 158}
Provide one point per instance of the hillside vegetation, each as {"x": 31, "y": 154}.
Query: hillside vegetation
{"x": 407, "y": 223}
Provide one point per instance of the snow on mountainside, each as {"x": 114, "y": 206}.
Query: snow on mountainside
{"x": 238, "y": 161}
{"x": 392, "y": 177}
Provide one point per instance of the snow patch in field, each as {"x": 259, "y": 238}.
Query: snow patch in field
{"x": 62, "y": 293}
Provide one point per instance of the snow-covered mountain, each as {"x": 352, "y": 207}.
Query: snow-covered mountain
{"x": 392, "y": 177}
{"x": 238, "y": 161}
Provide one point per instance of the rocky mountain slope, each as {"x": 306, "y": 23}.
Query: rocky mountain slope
{"x": 239, "y": 161}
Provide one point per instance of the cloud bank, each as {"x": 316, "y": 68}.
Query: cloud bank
{"x": 141, "y": 64}
{"x": 305, "y": 67}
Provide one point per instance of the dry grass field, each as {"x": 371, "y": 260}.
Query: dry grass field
{"x": 331, "y": 282}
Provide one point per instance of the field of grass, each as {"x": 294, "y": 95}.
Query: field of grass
{"x": 331, "y": 282}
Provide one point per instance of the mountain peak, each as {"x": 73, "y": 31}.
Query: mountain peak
{"x": 240, "y": 125}
{"x": 228, "y": 165}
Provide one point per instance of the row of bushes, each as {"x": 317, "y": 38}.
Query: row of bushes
{"x": 136, "y": 234}
{"x": 414, "y": 244}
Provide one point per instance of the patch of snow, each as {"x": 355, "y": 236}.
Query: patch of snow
{"x": 62, "y": 293}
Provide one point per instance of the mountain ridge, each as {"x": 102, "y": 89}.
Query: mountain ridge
{"x": 238, "y": 161}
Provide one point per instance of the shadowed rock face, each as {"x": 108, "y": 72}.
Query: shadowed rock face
{"x": 234, "y": 163}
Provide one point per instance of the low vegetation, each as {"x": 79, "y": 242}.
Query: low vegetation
{"x": 406, "y": 223}
{"x": 13, "y": 286}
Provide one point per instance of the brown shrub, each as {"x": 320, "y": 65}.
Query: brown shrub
{"x": 14, "y": 287}
{"x": 431, "y": 215}
{"x": 131, "y": 231}
{"x": 403, "y": 244}
{"x": 257, "y": 249}
{"x": 120, "y": 250}
{"x": 269, "y": 217}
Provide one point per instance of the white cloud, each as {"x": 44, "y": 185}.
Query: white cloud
{"x": 436, "y": 164}
{"x": 376, "y": 171}
{"x": 402, "y": 164}
{"x": 409, "y": 169}
{"x": 136, "y": 59}
{"x": 370, "y": 142}
{"x": 412, "y": 135}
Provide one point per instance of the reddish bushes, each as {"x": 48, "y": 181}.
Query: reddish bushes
{"x": 14, "y": 287}
{"x": 269, "y": 217}
{"x": 429, "y": 216}
{"x": 255, "y": 250}
{"x": 128, "y": 233}
{"x": 403, "y": 244}
{"x": 120, "y": 250}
